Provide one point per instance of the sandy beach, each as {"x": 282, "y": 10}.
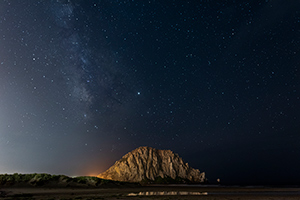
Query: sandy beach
{"x": 154, "y": 192}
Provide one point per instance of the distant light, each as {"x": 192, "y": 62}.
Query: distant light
{"x": 138, "y": 93}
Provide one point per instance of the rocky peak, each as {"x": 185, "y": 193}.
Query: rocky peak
{"x": 150, "y": 163}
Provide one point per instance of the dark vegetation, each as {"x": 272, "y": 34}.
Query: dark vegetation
{"x": 48, "y": 180}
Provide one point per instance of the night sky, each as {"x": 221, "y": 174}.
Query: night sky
{"x": 84, "y": 82}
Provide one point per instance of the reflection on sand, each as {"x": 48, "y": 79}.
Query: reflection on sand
{"x": 166, "y": 193}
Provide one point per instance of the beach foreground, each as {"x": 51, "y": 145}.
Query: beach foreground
{"x": 154, "y": 192}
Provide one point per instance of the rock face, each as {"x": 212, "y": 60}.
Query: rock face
{"x": 148, "y": 163}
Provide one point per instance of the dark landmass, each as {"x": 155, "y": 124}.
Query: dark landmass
{"x": 58, "y": 181}
{"x": 55, "y": 187}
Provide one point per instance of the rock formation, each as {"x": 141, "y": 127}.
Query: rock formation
{"x": 146, "y": 163}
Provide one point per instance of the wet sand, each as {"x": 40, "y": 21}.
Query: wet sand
{"x": 154, "y": 192}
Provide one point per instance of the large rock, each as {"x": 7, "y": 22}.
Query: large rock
{"x": 146, "y": 163}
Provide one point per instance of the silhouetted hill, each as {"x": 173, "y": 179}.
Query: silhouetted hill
{"x": 48, "y": 180}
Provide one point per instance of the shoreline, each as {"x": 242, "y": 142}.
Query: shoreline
{"x": 150, "y": 192}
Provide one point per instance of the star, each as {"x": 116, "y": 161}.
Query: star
{"x": 115, "y": 75}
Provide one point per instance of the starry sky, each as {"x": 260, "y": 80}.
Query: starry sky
{"x": 84, "y": 82}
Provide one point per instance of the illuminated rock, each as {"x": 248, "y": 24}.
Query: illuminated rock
{"x": 146, "y": 163}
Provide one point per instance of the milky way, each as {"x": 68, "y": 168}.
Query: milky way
{"x": 84, "y": 82}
